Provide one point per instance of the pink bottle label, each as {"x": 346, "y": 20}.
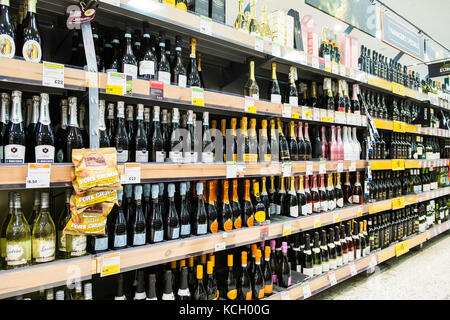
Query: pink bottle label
{"x": 275, "y": 279}
{"x": 289, "y": 281}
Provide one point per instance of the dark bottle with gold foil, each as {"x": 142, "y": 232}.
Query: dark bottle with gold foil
{"x": 213, "y": 216}
{"x": 284, "y": 146}
{"x": 247, "y": 206}
{"x": 226, "y": 217}
{"x": 258, "y": 205}
{"x": 293, "y": 145}
{"x": 265, "y": 154}
{"x": 230, "y": 289}
{"x": 7, "y": 36}
{"x": 236, "y": 206}
{"x": 32, "y": 48}
{"x": 244, "y": 285}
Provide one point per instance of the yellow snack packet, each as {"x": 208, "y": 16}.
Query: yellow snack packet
{"x": 90, "y": 198}
{"x": 88, "y": 226}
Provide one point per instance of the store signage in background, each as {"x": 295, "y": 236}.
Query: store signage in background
{"x": 402, "y": 38}
{"x": 361, "y": 14}
{"x": 440, "y": 69}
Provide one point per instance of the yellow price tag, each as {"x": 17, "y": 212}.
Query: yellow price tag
{"x": 360, "y": 212}
{"x": 401, "y": 248}
{"x": 399, "y": 126}
{"x": 198, "y": 97}
{"x": 110, "y": 264}
{"x": 112, "y": 89}
{"x": 317, "y": 222}
{"x": 398, "y": 89}
{"x": 295, "y": 115}
{"x": 287, "y": 228}
{"x": 251, "y": 109}
{"x": 398, "y": 164}
{"x": 398, "y": 203}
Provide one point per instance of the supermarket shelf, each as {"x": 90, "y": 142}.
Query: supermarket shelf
{"x": 54, "y": 273}
{"x": 410, "y": 128}
{"x": 320, "y": 283}
{"x": 14, "y": 176}
{"x": 406, "y": 164}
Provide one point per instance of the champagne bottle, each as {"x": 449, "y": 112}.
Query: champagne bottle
{"x": 158, "y": 154}
{"x": 163, "y": 63}
{"x": 15, "y": 137}
{"x": 268, "y": 279}
{"x": 183, "y": 290}
{"x": 307, "y": 259}
{"x": 32, "y": 120}
{"x": 200, "y": 292}
{"x": 193, "y": 77}
{"x": 137, "y": 223}
{"x": 185, "y": 215}
{"x": 172, "y": 222}
{"x": 251, "y": 88}
{"x": 7, "y": 34}
{"x": 73, "y": 138}
{"x": 199, "y": 69}
{"x": 316, "y": 256}
{"x": 258, "y": 205}
{"x": 155, "y": 224}
{"x": 244, "y": 149}
{"x": 129, "y": 61}
{"x": 292, "y": 200}
{"x": 64, "y": 218}
{"x": 284, "y": 146}
{"x": 211, "y": 287}
{"x": 168, "y": 288}
{"x": 258, "y": 285}
{"x": 236, "y": 207}
{"x": 140, "y": 289}
{"x": 226, "y": 216}
{"x": 265, "y": 198}
{"x": 129, "y": 124}
{"x": 4, "y": 122}
{"x": 18, "y": 238}
{"x": 118, "y": 229}
{"x": 285, "y": 272}
{"x": 275, "y": 92}
{"x": 44, "y": 140}
{"x": 36, "y": 209}
{"x": 324, "y": 253}
{"x": 293, "y": 145}
{"x": 200, "y": 218}
{"x": 248, "y": 213}
{"x": 148, "y": 62}
{"x": 230, "y": 288}
{"x": 308, "y": 147}
{"x": 253, "y": 141}
{"x": 265, "y": 152}
{"x": 43, "y": 234}
{"x": 281, "y": 198}
{"x": 120, "y": 295}
{"x": 244, "y": 283}
{"x": 104, "y": 136}
{"x": 309, "y": 201}
{"x": 32, "y": 49}
{"x": 140, "y": 142}
{"x": 293, "y": 93}
{"x": 323, "y": 194}
{"x": 301, "y": 196}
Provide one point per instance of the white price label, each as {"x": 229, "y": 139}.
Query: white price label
{"x": 285, "y": 295}
{"x": 322, "y": 167}
{"x": 287, "y": 228}
{"x": 250, "y": 105}
{"x": 110, "y": 264}
{"x": 231, "y": 169}
{"x": 259, "y": 43}
{"x": 327, "y": 65}
{"x": 373, "y": 261}
{"x": 339, "y": 117}
{"x": 220, "y": 246}
{"x": 317, "y": 222}
{"x": 206, "y": 25}
{"x": 316, "y": 114}
{"x": 306, "y": 290}
{"x": 198, "y": 96}
{"x": 332, "y": 278}
{"x": 287, "y": 169}
{"x": 240, "y": 170}
{"x": 334, "y": 68}
{"x": 116, "y": 83}
{"x": 303, "y": 58}
{"x": 336, "y": 217}
{"x": 38, "y": 175}
{"x": 307, "y": 113}
{"x": 353, "y": 271}
{"x": 315, "y": 62}
{"x": 287, "y": 110}
{"x": 342, "y": 70}
{"x": 132, "y": 173}
{"x": 53, "y": 74}
{"x": 309, "y": 168}
{"x": 276, "y": 49}
{"x": 352, "y": 166}
{"x": 340, "y": 166}
{"x": 112, "y": 2}
{"x": 360, "y": 211}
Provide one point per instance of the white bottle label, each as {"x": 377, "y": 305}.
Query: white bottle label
{"x": 323, "y": 206}
{"x": 141, "y": 156}
{"x": 305, "y": 210}
{"x": 146, "y": 67}
{"x": 14, "y": 153}
{"x": 101, "y": 244}
{"x": 168, "y": 296}
{"x": 139, "y": 239}
{"x": 294, "y": 212}
{"x": 175, "y": 233}
{"x": 293, "y": 101}
{"x": 207, "y": 157}
{"x": 176, "y": 156}
{"x": 202, "y": 228}
{"x": 45, "y": 154}
{"x": 333, "y": 264}
{"x": 358, "y": 253}
{"x": 164, "y": 77}
{"x": 278, "y": 209}
{"x": 331, "y": 205}
{"x": 15, "y": 253}
{"x": 182, "y": 81}
{"x": 310, "y": 208}
{"x": 275, "y": 98}
{"x": 316, "y": 207}
{"x": 339, "y": 261}
{"x": 325, "y": 267}
{"x": 345, "y": 258}
{"x": 309, "y": 272}
{"x": 160, "y": 156}
{"x": 32, "y": 51}
{"x": 78, "y": 245}
{"x": 159, "y": 236}
{"x": 185, "y": 229}
{"x": 317, "y": 270}
{"x": 351, "y": 256}
{"x": 8, "y": 46}
{"x": 130, "y": 70}
{"x": 299, "y": 269}
{"x": 120, "y": 241}
{"x": 340, "y": 202}
{"x": 122, "y": 156}
{"x": 43, "y": 251}
{"x": 272, "y": 209}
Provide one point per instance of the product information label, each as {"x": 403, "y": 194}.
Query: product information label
{"x": 38, "y": 175}
{"x": 44, "y": 154}
{"x": 287, "y": 228}
{"x": 198, "y": 96}
{"x": 306, "y": 290}
{"x": 206, "y": 25}
{"x": 132, "y": 173}
{"x": 116, "y": 83}
{"x": 259, "y": 43}
{"x": 202, "y": 229}
{"x": 14, "y": 153}
{"x": 146, "y": 68}
{"x": 287, "y": 111}
{"x": 110, "y": 264}
{"x": 249, "y": 106}
{"x": 159, "y": 236}
{"x": 275, "y": 98}
{"x": 141, "y": 156}
{"x": 53, "y": 74}
{"x": 18, "y": 253}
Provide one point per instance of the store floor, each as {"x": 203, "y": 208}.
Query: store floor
{"x": 419, "y": 274}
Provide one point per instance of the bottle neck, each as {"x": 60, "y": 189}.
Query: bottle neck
{"x": 64, "y": 109}
{"x": 73, "y": 122}
{"x": 16, "y": 112}
{"x": 44, "y": 116}
{"x": 252, "y": 71}
{"x": 35, "y": 111}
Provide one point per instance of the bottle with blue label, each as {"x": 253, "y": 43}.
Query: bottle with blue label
{"x": 172, "y": 222}
{"x": 118, "y": 230}
{"x": 201, "y": 219}
{"x": 155, "y": 225}
{"x": 98, "y": 244}
{"x": 185, "y": 214}
{"x": 137, "y": 224}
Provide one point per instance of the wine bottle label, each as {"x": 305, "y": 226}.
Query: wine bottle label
{"x": 185, "y": 229}
{"x": 43, "y": 250}
{"x": 175, "y": 233}
{"x": 260, "y": 216}
{"x": 426, "y": 187}
{"x": 261, "y": 293}
{"x": 250, "y": 221}
{"x": 182, "y": 292}
{"x": 202, "y": 229}
{"x": 116, "y": 298}
{"x": 176, "y": 156}
{"x": 316, "y": 207}
{"x": 139, "y": 239}
{"x": 355, "y": 199}
{"x": 340, "y": 203}
{"x": 278, "y": 209}
{"x": 357, "y": 253}
{"x": 78, "y": 246}
{"x": 122, "y": 155}
{"x": 272, "y": 208}
{"x": 182, "y": 81}
{"x": 309, "y": 272}
{"x": 14, "y": 153}
{"x": 434, "y": 185}
{"x": 293, "y": 101}
{"x": 32, "y": 51}
{"x": 160, "y": 156}
{"x": 44, "y": 154}
{"x": 140, "y": 295}
{"x": 351, "y": 256}
{"x": 207, "y": 157}
{"x": 345, "y": 258}
{"x": 275, "y": 279}
{"x": 324, "y": 206}
{"x": 18, "y": 253}
{"x": 232, "y": 294}
{"x": 317, "y": 270}
{"x": 267, "y": 157}
{"x": 101, "y": 244}
{"x": 167, "y": 296}
{"x": 275, "y": 98}
{"x": 61, "y": 242}
{"x": 293, "y": 211}
{"x": 339, "y": 261}
{"x": 159, "y": 236}
{"x": 164, "y": 77}
{"x": 1, "y": 154}
{"x": 130, "y": 70}
{"x": 146, "y": 68}
{"x": 8, "y": 46}
{"x": 419, "y": 151}
{"x": 238, "y": 223}
{"x": 298, "y": 268}
{"x": 120, "y": 241}
{"x": 141, "y": 156}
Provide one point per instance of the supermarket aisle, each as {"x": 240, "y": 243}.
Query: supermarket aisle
{"x": 420, "y": 274}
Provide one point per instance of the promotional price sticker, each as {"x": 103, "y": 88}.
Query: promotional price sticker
{"x": 287, "y": 169}
{"x": 287, "y": 228}
{"x": 399, "y": 126}
{"x": 264, "y": 232}
{"x": 327, "y": 66}
{"x": 336, "y": 217}
{"x": 220, "y": 246}
{"x": 132, "y": 173}
{"x": 340, "y": 166}
{"x": 323, "y": 115}
{"x": 110, "y": 264}
{"x": 332, "y": 278}
{"x": 231, "y": 169}
{"x": 38, "y": 175}
{"x": 295, "y": 115}
{"x": 398, "y": 203}
{"x": 309, "y": 168}
{"x": 259, "y": 43}
{"x": 401, "y": 248}
{"x": 156, "y": 90}
{"x": 317, "y": 222}
{"x": 306, "y": 290}
{"x": 330, "y": 116}
{"x": 249, "y": 105}
{"x": 287, "y": 110}
{"x": 53, "y": 74}
{"x": 206, "y": 25}
{"x": 316, "y": 114}
{"x": 359, "y": 212}
{"x": 398, "y": 164}
{"x": 198, "y": 96}
{"x": 353, "y": 271}
{"x": 352, "y": 166}
{"x": 241, "y": 170}
{"x": 116, "y": 83}
{"x": 307, "y": 113}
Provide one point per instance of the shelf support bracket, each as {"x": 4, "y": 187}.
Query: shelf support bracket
{"x": 348, "y": 30}
{"x": 398, "y": 56}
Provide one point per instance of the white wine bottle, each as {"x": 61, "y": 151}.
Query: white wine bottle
{"x": 44, "y": 234}
{"x": 18, "y": 238}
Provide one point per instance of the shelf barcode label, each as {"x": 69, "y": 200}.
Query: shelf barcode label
{"x": 285, "y": 295}
{"x": 206, "y": 25}
{"x": 336, "y": 217}
{"x": 53, "y": 74}
{"x": 132, "y": 173}
{"x": 309, "y": 168}
{"x": 220, "y": 246}
{"x": 198, "y": 96}
{"x": 38, "y": 175}
{"x": 332, "y": 278}
{"x": 340, "y": 166}
{"x": 306, "y": 290}
{"x": 110, "y": 264}
{"x": 353, "y": 271}
{"x": 116, "y": 83}
{"x": 322, "y": 167}
{"x": 259, "y": 43}
{"x": 249, "y": 105}
{"x": 231, "y": 169}
{"x": 317, "y": 222}
{"x": 287, "y": 169}
{"x": 287, "y": 228}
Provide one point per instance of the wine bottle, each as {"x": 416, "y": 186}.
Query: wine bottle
{"x": 64, "y": 218}
{"x": 140, "y": 293}
{"x": 258, "y": 205}
{"x": 104, "y": 137}
{"x": 265, "y": 198}
{"x": 148, "y": 62}
{"x": 226, "y": 213}
{"x": 7, "y": 34}
{"x": 244, "y": 284}
{"x": 315, "y": 196}
{"x": 317, "y": 152}
{"x": 301, "y": 198}
{"x": 158, "y": 154}
{"x": 265, "y": 154}
{"x": 172, "y": 222}
{"x": 139, "y": 140}
{"x": 163, "y": 63}
{"x": 285, "y": 271}
{"x": 73, "y": 139}
{"x": 252, "y": 141}
{"x": 233, "y": 151}
{"x": 236, "y": 207}
{"x": 118, "y": 228}
{"x": 316, "y": 256}
{"x": 211, "y": 286}
{"x": 36, "y": 209}
{"x": 248, "y": 211}
{"x": 199, "y": 69}
{"x": 200, "y": 292}
{"x": 292, "y": 200}
{"x": 309, "y": 202}
{"x": 168, "y": 289}
{"x": 293, "y": 93}
{"x": 31, "y": 39}
{"x": 258, "y": 285}
{"x": 193, "y": 77}
{"x": 331, "y": 194}
{"x": 165, "y": 134}
{"x": 324, "y": 253}
{"x": 356, "y": 241}
{"x": 32, "y": 120}
{"x": 332, "y": 249}
{"x": 15, "y": 137}
{"x": 347, "y": 189}
{"x": 185, "y": 215}
{"x": 129, "y": 61}
{"x": 120, "y": 295}
{"x": 18, "y": 238}
{"x": 4, "y": 121}
{"x": 307, "y": 259}
{"x": 357, "y": 191}
{"x": 293, "y": 144}
{"x": 323, "y": 197}
{"x": 308, "y": 147}
{"x": 155, "y": 223}
{"x": 43, "y": 235}
{"x": 251, "y": 88}
{"x": 137, "y": 223}
{"x": 44, "y": 140}
{"x": 230, "y": 284}
{"x": 200, "y": 218}
{"x": 350, "y": 244}
{"x": 275, "y": 92}
{"x": 183, "y": 290}
{"x": 283, "y": 144}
